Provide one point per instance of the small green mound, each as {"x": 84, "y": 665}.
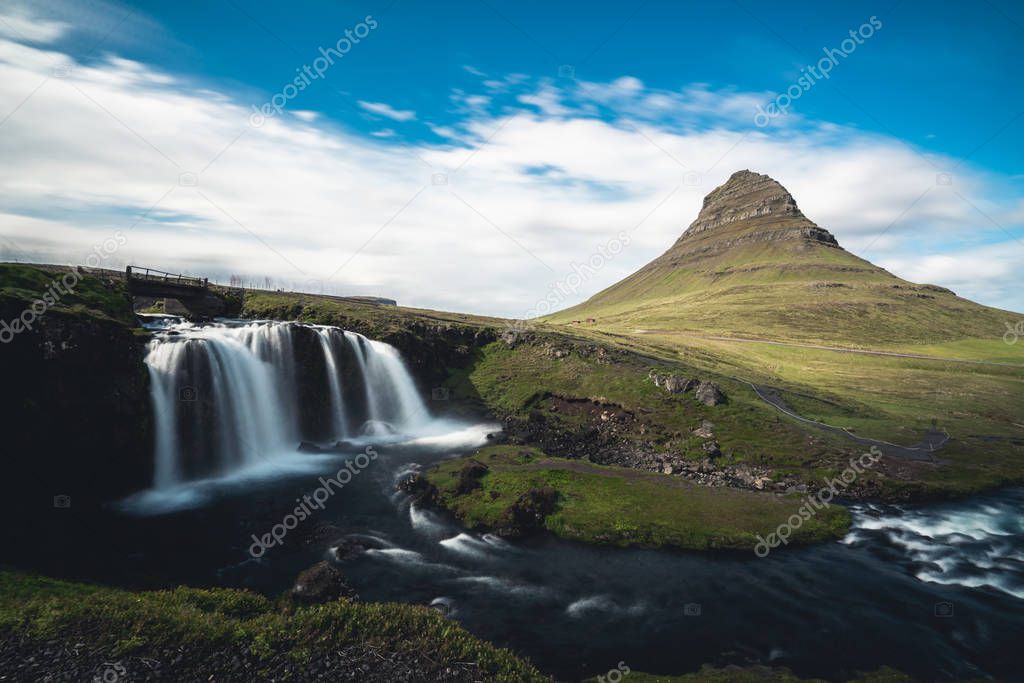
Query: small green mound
{"x": 140, "y": 622}
{"x": 624, "y": 507}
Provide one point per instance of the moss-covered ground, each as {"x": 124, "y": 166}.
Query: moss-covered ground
{"x": 625, "y": 507}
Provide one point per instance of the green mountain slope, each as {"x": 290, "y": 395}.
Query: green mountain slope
{"x": 752, "y": 265}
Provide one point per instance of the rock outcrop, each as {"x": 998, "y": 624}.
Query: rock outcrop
{"x": 320, "y": 583}
{"x": 709, "y": 394}
{"x": 749, "y": 207}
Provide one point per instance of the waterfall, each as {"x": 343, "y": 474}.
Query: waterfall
{"x": 336, "y": 408}
{"x": 391, "y": 396}
{"x": 227, "y": 396}
{"x": 217, "y": 404}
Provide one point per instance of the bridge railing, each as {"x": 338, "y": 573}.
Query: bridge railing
{"x": 153, "y": 275}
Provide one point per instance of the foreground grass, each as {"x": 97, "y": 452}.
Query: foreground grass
{"x": 624, "y": 507}
{"x": 136, "y": 623}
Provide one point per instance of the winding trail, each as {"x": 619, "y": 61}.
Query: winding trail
{"x": 933, "y": 440}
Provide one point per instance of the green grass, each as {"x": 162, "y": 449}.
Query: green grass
{"x": 511, "y": 381}
{"x": 140, "y": 622}
{"x": 97, "y": 295}
{"x": 625, "y": 507}
{"x": 773, "y": 291}
{"x": 374, "y": 319}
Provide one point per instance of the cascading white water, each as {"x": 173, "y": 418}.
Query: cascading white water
{"x": 241, "y": 393}
{"x": 339, "y": 425}
{"x": 226, "y": 396}
{"x": 391, "y": 395}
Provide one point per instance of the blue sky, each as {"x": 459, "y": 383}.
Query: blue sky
{"x": 945, "y": 77}
{"x": 553, "y": 125}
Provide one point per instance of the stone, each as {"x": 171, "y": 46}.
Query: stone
{"x": 346, "y": 549}
{"x": 528, "y": 513}
{"x": 706, "y": 430}
{"x": 469, "y": 477}
{"x": 322, "y": 582}
{"x": 712, "y": 449}
{"x": 709, "y": 394}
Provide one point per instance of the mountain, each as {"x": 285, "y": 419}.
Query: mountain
{"x": 753, "y": 265}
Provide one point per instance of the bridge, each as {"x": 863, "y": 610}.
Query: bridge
{"x": 193, "y": 293}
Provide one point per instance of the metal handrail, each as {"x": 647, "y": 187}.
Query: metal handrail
{"x": 153, "y": 275}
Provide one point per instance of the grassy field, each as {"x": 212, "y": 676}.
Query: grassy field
{"x": 624, "y": 507}
{"x": 326, "y": 310}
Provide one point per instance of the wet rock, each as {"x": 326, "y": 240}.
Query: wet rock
{"x": 709, "y": 394}
{"x": 422, "y": 491}
{"x": 528, "y": 513}
{"x": 469, "y": 477}
{"x": 347, "y": 549}
{"x": 320, "y": 583}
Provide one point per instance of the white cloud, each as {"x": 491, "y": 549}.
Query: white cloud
{"x": 17, "y": 25}
{"x": 386, "y": 110}
{"x": 526, "y": 193}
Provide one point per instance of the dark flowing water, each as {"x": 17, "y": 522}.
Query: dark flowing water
{"x": 577, "y": 611}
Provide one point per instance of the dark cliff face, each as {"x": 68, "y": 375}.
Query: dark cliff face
{"x": 77, "y": 419}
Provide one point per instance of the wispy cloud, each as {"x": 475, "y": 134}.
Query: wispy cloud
{"x": 387, "y": 111}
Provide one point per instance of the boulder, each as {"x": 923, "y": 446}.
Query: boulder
{"x": 712, "y": 449}
{"x": 671, "y": 383}
{"x": 709, "y": 394}
{"x": 678, "y": 385}
{"x": 419, "y": 489}
{"x": 527, "y": 514}
{"x": 347, "y": 549}
{"x": 322, "y": 582}
{"x": 706, "y": 430}
{"x": 469, "y": 477}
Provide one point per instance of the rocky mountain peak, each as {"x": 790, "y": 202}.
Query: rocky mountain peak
{"x": 752, "y": 207}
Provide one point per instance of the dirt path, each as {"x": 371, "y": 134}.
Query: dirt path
{"x": 933, "y": 440}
